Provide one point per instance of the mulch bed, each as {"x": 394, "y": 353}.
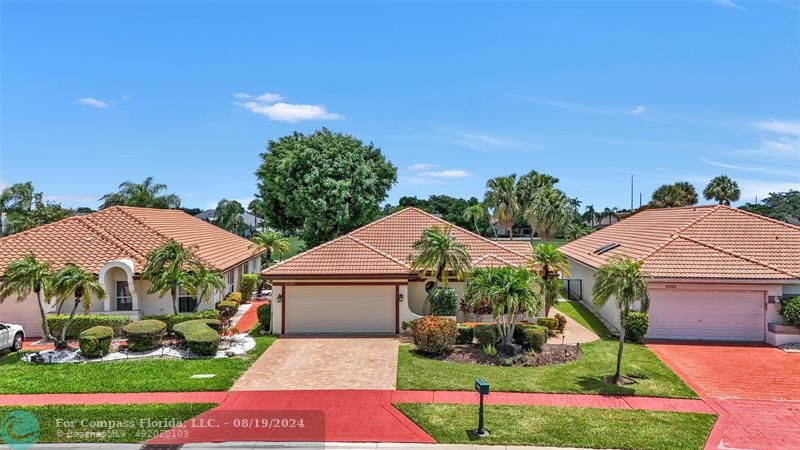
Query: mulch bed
{"x": 473, "y": 354}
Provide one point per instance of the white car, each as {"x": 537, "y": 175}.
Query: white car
{"x": 11, "y": 336}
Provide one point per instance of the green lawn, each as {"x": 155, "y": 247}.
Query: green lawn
{"x": 168, "y": 375}
{"x": 581, "y": 314}
{"x": 107, "y": 423}
{"x": 564, "y": 427}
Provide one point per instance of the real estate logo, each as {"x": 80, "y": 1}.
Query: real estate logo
{"x": 19, "y": 429}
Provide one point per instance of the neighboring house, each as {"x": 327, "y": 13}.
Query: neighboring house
{"x": 251, "y": 222}
{"x": 114, "y": 243}
{"x": 362, "y": 282}
{"x": 717, "y": 272}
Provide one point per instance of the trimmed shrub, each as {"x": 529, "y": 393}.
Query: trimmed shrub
{"x": 227, "y": 309}
{"x": 790, "y": 310}
{"x": 173, "y": 319}
{"x": 486, "y": 334}
{"x": 465, "y": 334}
{"x": 144, "y": 335}
{"x": 95, "y": 341}
{"x": 264, "y": 313}
{"x": 82, "y": 322}
{"x": 247, "y": 286}
{"x": 434, "y": 334}
{"x": 443, "y": 301}
{"x": 200, "y": 335}
{"x": 530, "y": 336}
{"x": 562, "y": 322}
{"x": 550, "y": 323}
{"x": 235, "y": 297}
{"x": 636, "y": 326}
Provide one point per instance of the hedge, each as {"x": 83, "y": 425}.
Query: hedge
{"x": 200, "y": 335}
{"x": 486, "y": 334}
{"x": 247, "y": 285}
{"x": 264, "y": 313}
{"x": 144, "y": 335}
{"x": 227, "y": 308}
{"x": 173, "y": 319}
{"x": 790, "y": 311}
{"x": 82, "y": 322}
{"x": 95, "y": 341}
{"x": 636, "y": 326}
{"x": 443, "y": 301}
{"x": 466, "y": 334}
{"x": 434, "y": 335}
{"x": 530, "y": 336}
{"x": 550, "y": 322}
{"x": 235, "y": 297}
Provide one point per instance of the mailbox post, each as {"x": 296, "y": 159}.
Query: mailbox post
{"x": 482, "y": 387}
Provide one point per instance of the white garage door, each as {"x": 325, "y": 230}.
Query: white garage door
{"x": 340, "y": 309}
{"x": 707, "y": 315}
{"x": 25, "y": 313}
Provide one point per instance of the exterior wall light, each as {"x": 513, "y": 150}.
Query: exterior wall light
{"x": 280, "y": 298}
{"x": 401, "y": 298}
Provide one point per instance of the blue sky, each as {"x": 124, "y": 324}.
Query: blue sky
{"x": 95, "y": 93}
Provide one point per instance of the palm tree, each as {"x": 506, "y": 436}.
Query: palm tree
{"x": 228, "y": 216}
{"x": 722, "y": 189}
{"x": 474, "y": 214}
{"x": 531, "y": 182}
{"x": 623, "y": 279}
{"x": 549, "y": 211}
{"x": 501, "y": 196}
{"x": 577, "y": 231}
{"x": 610, "y": 213}
{"x": 203, "y": 283}
{"x": 674, "y": 195}
{"x": 71, "y": 280}
{"x": 16, "y": 199}
{"x": 547, "y": 262}
{"x": 438, "y": 253}
{"x": 168, "y": 268}
{"x": 146, "y": 194}
{"x": 590, "y": 215}
{"x": 509, "y": 291}
{"x": 25, "y": 276}
{"x": 272, "y": 242}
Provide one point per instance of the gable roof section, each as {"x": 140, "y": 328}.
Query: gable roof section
{"x": 93, "y": 240}
{"x": 716, "y": 242}
{"x": 390, "y": 239}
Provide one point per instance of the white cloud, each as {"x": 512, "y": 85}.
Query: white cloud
{"x": 270, "y": 106}
{"x": 421, "y": 167}
{"x": 242, "y": 96}
{"x": 779, "y": 126}
{"x": 769, "y": 170}
{"x": 638, "y": 110}
{"x": 449, "y": 173}
{"x": 93, "y": 102}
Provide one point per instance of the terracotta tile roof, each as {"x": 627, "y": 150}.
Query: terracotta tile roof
{"x": 390, "y": 239}
{"x": 125, "y": 232}
{"x": 520, "y": 246}
{"x": 698, "y": 242}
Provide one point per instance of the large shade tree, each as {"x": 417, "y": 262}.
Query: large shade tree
{"x": 169, "y": 269}
{"x": 501, "y": 196}
{"x": 229, "y": 215}
{"x": 82, "y": 286}
{"x": 147, "y": 194}
{"x": 324, "y": 184}
{"x": 25, "y": 276}
{"x": 438, "y": 253}
{"x": 622, "y": 279}
{"x": 509, "y": 291}
{"x": 783, "y": 206}
{"x": 549, "y": 264}
{"x": 723, "y": 190}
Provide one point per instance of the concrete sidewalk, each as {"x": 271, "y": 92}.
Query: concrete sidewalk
{"x": 300, "y": 446}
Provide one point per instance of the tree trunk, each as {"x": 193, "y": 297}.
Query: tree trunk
{"x": 174, "y": 292}
{"x": 62, "y": 341}
{"x": 45, "y": 325}
{"x": 622, "y": 317}
{"x": 197, "y": 301}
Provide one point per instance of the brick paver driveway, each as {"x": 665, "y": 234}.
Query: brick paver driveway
{"x": 311, "y": 363}
{"x": 753, "y": 389}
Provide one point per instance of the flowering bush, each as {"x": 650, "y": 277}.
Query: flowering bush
{"x": 483, "y": 308}
{"x": 434, "y": 334}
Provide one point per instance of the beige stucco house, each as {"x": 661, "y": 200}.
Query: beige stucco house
{"x": 717, "y": 273}
{"x": 114, "y": 243}
{"x": 362, "y": 282}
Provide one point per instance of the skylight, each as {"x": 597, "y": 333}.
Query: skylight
{"x": 605, "y": 248}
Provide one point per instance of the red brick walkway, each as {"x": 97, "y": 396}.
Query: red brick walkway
{"x": 250, "y": 318}
{"x": 117, "y": 399}
{"x": 752, "y": 388}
